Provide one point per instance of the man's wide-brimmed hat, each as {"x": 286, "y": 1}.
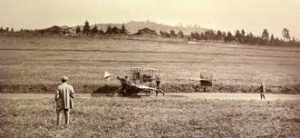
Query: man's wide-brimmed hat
{"x": 64, "y": 78}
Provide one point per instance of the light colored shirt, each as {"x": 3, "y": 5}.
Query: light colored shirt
{"x": 63, "y": 96}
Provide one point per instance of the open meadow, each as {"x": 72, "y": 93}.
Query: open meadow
{"x": 36, "y": 64}
{"x": 21, "y": 116}
{"x": 149, "y": 69}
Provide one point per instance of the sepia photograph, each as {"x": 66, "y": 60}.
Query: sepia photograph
{"x": 150, "y": 68}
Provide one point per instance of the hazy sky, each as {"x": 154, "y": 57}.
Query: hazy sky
{"x": 227, "y": 15}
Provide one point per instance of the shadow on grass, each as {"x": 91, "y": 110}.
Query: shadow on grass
{"x": 106, "y": 90}
{"x": 114, "y": 91}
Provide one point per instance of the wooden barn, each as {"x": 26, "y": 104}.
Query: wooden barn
{"x": 114, "y": 30}
{"x": 55, "y": 30}
{"x": 146, "y": 31}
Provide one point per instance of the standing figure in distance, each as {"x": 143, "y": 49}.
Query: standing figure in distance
{"x": 262, "y": 91}
{"x": 157, "y": 80}
{"x": 124, "y": 83}
{"x": 63, "y": 98}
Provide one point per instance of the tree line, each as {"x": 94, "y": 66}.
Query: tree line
{"x": 88, "y": 30}
{"x": 240, "y": 36}
{"x": 11, "y": 30}
{"x": 6, "y": 29}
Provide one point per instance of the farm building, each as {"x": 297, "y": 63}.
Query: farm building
{"x": 114, "y": 30}
{"x": 71, "y": 32}
{"x": 55, "y": 30}
{"x": 64, "y": 30}
{"x": 146, "y": 31}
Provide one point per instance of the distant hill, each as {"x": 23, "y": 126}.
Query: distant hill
{"x": 134, "y": 26}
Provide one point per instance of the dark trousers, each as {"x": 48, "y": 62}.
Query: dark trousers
{"x": 124, "y": 91}
{"x": 262, "y": 95}
{"x": 67, "y": 116}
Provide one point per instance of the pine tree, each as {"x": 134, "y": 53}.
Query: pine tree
{"x": 249, "y": 38}
{"x": 94, "y": 30}
{"x": 108, "y": 29}
{"x": 172, "y": 33}
{"x": 209, "y": 35}
{"x": 124, "y": 30}
{"x": 197, "y": 36}
{"x": 265, "y": 35}
{"x": 86, "y": 28}
{"x": 164, "y": 34}
{"x": 272, "y": 38}
{"x": 180, "y": 34}
{"x": 78, "y": 30}
{"x": 229, "y": 37}
{"x": 286, "y": 34}
{"x": 238, "y": 35}
{"x": 161, "y": 32}
{"x": 219, "y": 35}
{"x": 243, "y": 33}
{"x": 223, "y": 35}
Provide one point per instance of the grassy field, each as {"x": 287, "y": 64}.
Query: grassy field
{"x": 151, "y": 117}
{"x": 36, "y": 64}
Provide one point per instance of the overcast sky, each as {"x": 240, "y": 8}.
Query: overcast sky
{"x": 227, "y": 15}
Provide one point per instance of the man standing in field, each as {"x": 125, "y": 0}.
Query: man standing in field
{"x": 63, "y": 98}
{"x": 124, "y": 83}
{"x": 157, "y": 80}
{"x": 262, "y": 90}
